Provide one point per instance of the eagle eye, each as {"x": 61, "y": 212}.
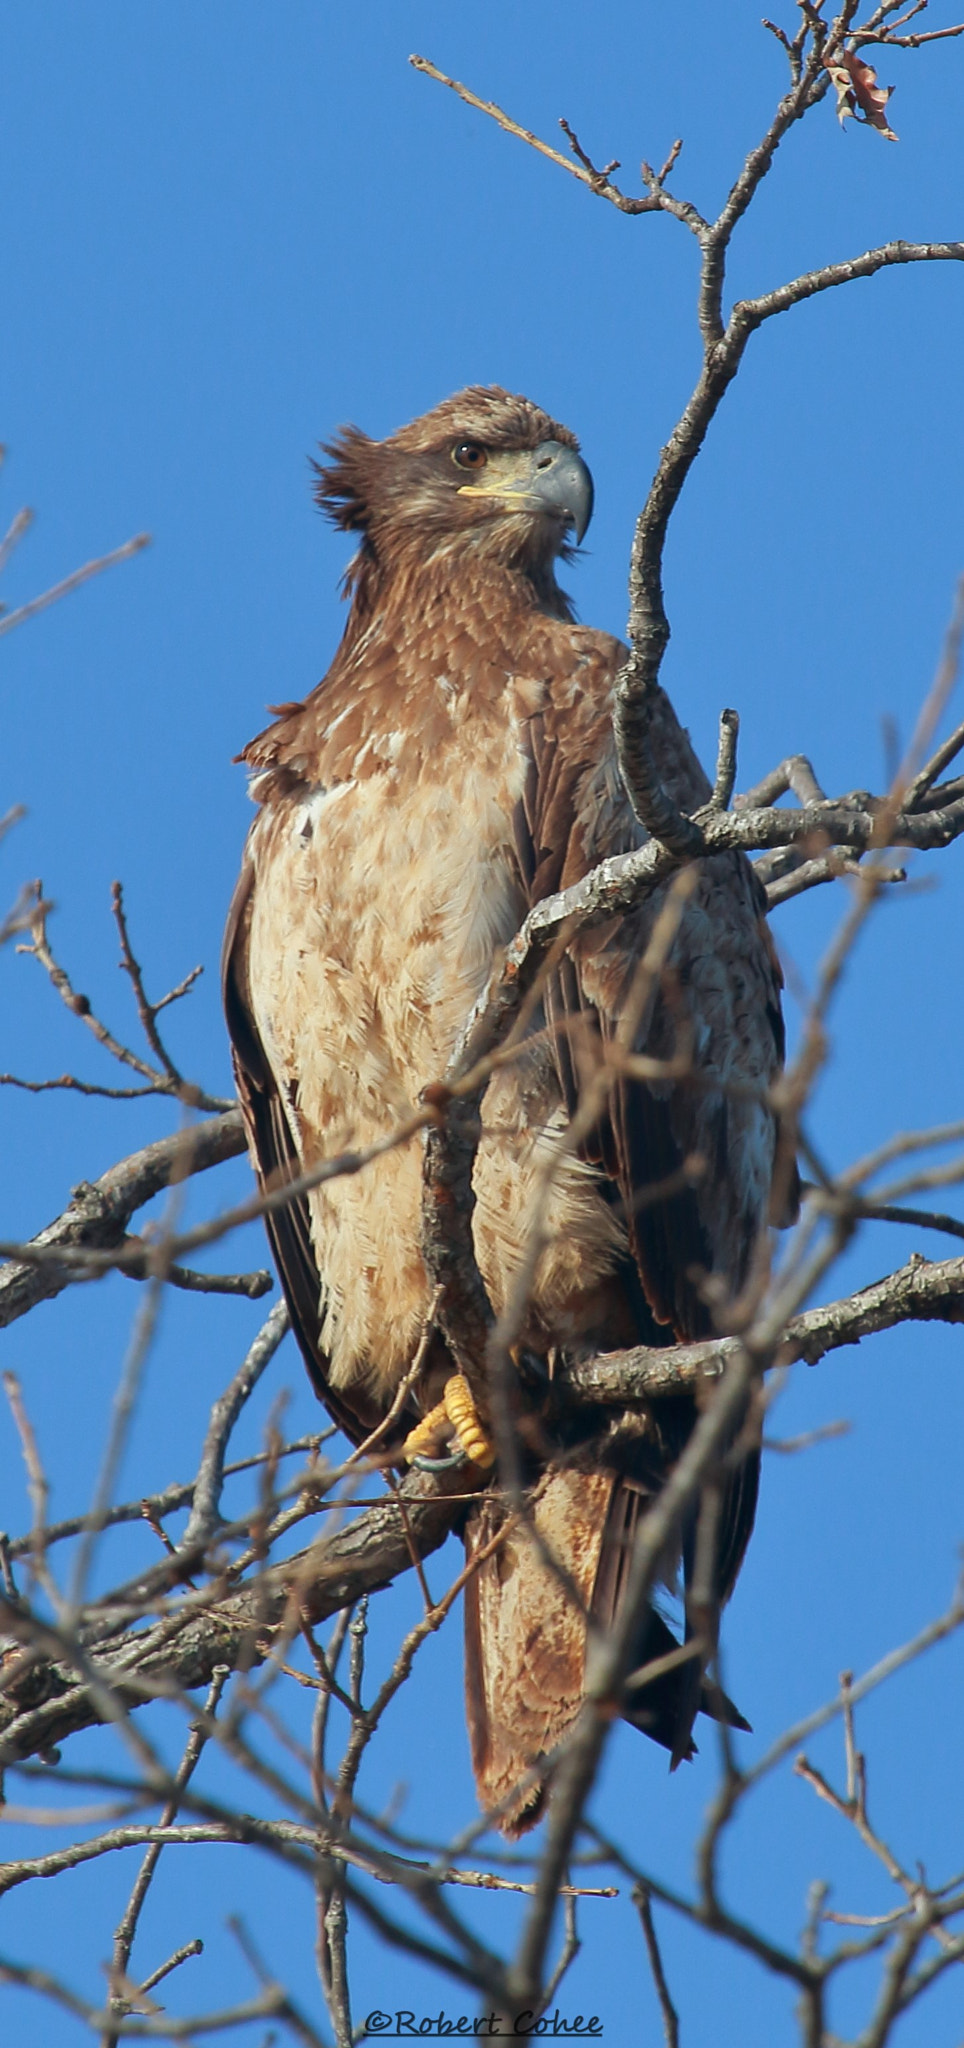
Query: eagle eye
{"x": 469, "y": 455}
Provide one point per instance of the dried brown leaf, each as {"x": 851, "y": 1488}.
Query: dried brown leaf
{"x": 858, "y": 93}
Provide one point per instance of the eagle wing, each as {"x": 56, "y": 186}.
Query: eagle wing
{"x": 689, "y": 1166}
{"x": 688, "y": 1171}
{"x": 276, "y": 1158}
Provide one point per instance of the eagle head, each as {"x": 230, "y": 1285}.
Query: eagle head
{"x": 485, "y": 473}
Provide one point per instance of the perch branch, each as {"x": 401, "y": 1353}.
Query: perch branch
{"x": 921, "y": 1291}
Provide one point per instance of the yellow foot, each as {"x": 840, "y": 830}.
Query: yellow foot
{"x": 464, "y": 1416}
{"x": 429, "y": 1436}
{"x": 456, "y": 1413}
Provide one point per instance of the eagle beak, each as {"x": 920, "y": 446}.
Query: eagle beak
{"x": 550, "y": 478}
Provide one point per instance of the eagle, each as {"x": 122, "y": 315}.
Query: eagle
{"x": 455, "y": 766}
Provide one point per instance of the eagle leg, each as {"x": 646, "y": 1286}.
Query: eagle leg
{"x": 456, "y": 1414}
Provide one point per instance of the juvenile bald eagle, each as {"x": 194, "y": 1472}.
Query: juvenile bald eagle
{"x": 455, "y": 765}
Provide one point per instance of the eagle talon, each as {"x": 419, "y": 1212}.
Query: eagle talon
{"x": 424, "y": 1464}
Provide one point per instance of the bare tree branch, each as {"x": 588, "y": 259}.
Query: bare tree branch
{"x": 164, "y": 1079}
{"x": 918, "y": 1292}
{"x": 45, "y": 1704}
{"x": 100, "y": 1210}
{"x": 598, "y": 182}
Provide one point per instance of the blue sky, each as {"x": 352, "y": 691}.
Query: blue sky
{"x": 226, "y": 231}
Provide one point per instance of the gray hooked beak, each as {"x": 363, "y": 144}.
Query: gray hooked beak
{"x": 550, "y": 478}
{"x": 562, "y": 482}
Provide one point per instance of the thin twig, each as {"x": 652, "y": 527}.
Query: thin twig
{"x": 19, "y": 525}
{"x": 642, "y": 1901}
{"x": 181, "y": 1955}
{"x": 127, "y": 1927}
{"x": 38, "y": 1486}
{"x": 163, "y": 1079}
{"x": 73, "y": 582}
{"x": 125, "y": 1401}
{"x": 147, "y": 1011}
{"x": 204, "y": 1516}
{"x": 597, "y": 181}
{"x": 726, "y": 760}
